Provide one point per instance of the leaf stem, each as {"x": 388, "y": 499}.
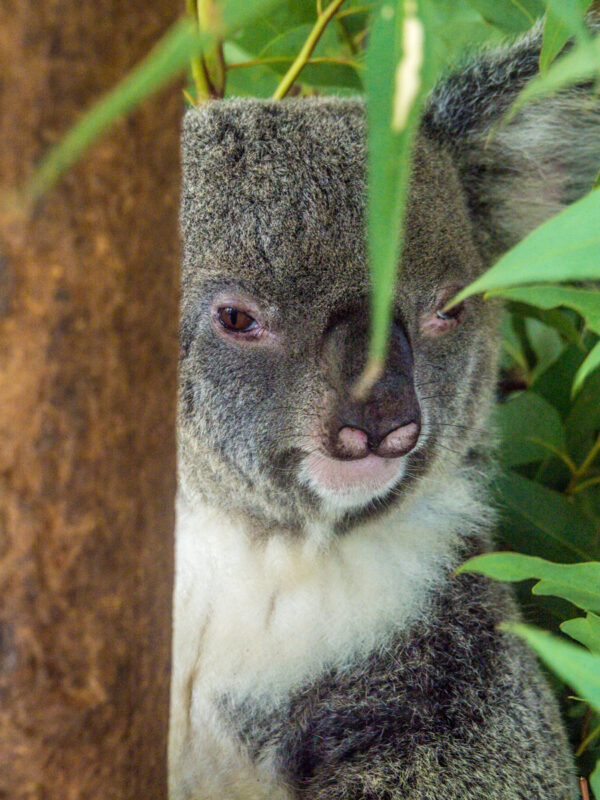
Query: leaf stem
{"x": 305, "y": 53}
{"x": 258, "y": 62}
{"x": 585, "y": 485}
{"x": 587, "y": 741}
{"x": 581, "y": 472}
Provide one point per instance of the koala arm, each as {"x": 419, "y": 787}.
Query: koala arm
{"x": 457, "y": 710}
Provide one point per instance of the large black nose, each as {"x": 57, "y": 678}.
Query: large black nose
{"x": 388, "y": 421}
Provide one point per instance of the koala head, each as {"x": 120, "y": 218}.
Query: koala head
{"x": 275, "y": 296}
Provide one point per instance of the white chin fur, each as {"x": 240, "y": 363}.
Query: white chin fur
{"x": 344, "y": 485}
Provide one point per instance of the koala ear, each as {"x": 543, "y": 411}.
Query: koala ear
{"x": 516, "y": 175}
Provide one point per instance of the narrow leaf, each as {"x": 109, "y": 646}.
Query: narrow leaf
{"x": 585, "y": 630}
{"x": 565, "y": 248}
{"x": 591, "y": 363}
{"x": 564, "y": 18}
{"x": 531, "y": 429}
{"x": 586, "y": 302}
{"x": 166, "y": 60}
{"x": 580, "y": 64}
{"x": 400, "y": 71}
{"x": 577, "y": 583}
{"x": 550, "y": 512}
{"x": 595, "y": 780}
{"x": 578, "y": 668}
{"x": 512, "y": 16}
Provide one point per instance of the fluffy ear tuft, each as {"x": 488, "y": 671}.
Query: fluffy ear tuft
{"x": 525, "y": 172}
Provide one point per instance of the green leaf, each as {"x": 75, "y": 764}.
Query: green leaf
{"x": 238, "y": 13}
{"x": 550, "y": 512}
{"x": 554, "y": 384}
{"x": 564, "y": 18}
{"x": 391, "y": 134}
{"x": 595, "y": 780}
{"x": 565, "y": 248}
{"x": 523, "y": 536}
{"x": 166, "y": 60}
{"x": 578, "y": 668}
{"x": 531, "y": 429}
{"x": 585, "y": 630}
{"x": 591, "y": 364}
{"x": 552, "y": 318}
{"x": 577, "y": 583}
{"x": 580, "y": 64}
{"x": 456, "y": 26}
{"x": 282, "y": 16}
{"x": 512, "y": 16}
{"x": 583, "y": 421}
{"x": 255, "y": 81}
{"x": 282, "y": 50}
{"x": 585, "y": 301}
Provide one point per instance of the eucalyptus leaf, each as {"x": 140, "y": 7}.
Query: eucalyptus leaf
{"x": 512, "y": 16}
{"x": 531, "y": 429}
{"x": 591, "y": 363}
{"x": 546, "y": 296}
{"x": 564, "y": 18}
{"x": 523, "y": 536}
{"x": 585, "y": 630}
{"x": 168, "y": 59}
{"x": 393, "y": 117}
{"x": 595, "y": 780}
{"x": 580, "y": 64}
{"x": 565, "y": 248}
{"x": 578, "y": 668}
{"x": 251, "y": 81}
{"x": 255, "y": 35}
{"x": 554, "y": 384}
{"x": 339, "y": 68}
{"x": 577, "y": 583}
{"x": 550, "y": 512}
{"x": 553, "y": 318}
{"x": 582, "y": 424}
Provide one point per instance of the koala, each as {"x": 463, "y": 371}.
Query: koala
{"x": 323, "y": 646}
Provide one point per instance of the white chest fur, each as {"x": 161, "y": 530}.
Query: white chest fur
{"x": 259, "y": 619}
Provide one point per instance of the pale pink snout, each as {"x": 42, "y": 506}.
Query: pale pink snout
{"x": 354, "y": 442}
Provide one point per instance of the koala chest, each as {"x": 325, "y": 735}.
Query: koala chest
{"x": 256, "y": 623}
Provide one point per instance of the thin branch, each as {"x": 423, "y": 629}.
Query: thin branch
{"x": 258, "y": 62}
{"x": 347, "y": 12}
{"x": 585, "y": 792}
{"x": 301, "y": 60}
{"x": 585, "y": 485}
{"x": 582, "y": 471}
{"x": 587, "y": 741}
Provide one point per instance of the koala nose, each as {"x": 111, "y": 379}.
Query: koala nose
{"x": 400, "y": 441}
{"x": 356, "y": 443}
{"x": 352, "y": 443}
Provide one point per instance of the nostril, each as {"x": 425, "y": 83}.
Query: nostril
{"x": 352, "y": 443}
{"x": 400, "y": 441}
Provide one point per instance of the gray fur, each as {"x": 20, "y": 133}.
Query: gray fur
{"x": 453, "y": 709}
{"x": 273, "y": 207}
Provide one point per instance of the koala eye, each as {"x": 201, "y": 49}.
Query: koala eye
{"x": 235, "y": 320}
{"x": 453, "y": 313}
{"x": 440, "y": 322}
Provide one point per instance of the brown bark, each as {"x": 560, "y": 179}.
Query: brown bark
{"x": 87, "y": 379}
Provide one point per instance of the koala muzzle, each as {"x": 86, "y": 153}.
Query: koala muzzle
{"x": 387, "y": 423}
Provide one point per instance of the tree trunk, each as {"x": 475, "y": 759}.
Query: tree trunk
{"x": 88, "y": 352}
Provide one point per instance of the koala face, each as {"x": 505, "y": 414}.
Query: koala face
{"x": 275, "y": 315}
